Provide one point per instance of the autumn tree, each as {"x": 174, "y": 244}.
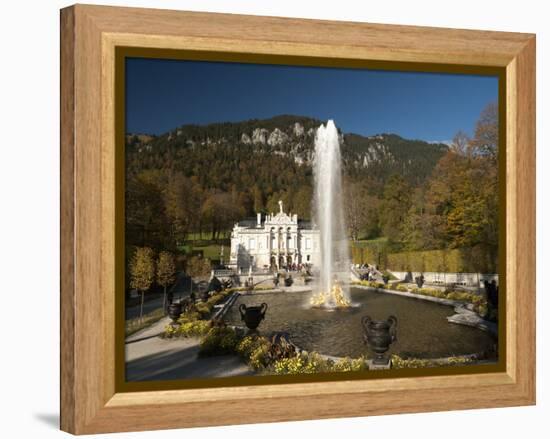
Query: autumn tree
{"x": 220, "y": 210}
{"x": 461, "y": 143}
{"x": 394, "y": 207}
{"x": 242, "y": 202}
{"x": 301, "y": 202}
{"x": 197, "y": 266}
{"x": 182, "y": 202}
{"x": 258, "y": 199}
{"x": 421, "y": 229}
{"x": 142, "y": 272}
{"x": 485, "y": 140}
{"x": 458, "y": 207}
{"x": 146, "y": 220}
{"x": 166, "y": 272}
{"x": 175, "y": 195}
{"x": 361, "y": 210}
{"x": 462, "y": 194}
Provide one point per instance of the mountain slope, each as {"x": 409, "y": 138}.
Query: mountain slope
{"x": 282, "y": 143}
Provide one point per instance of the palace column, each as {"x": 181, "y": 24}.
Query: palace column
{"x": 289, "y": 244}
{"x": 278, "y": 244}
{"x": 269, "y": 246}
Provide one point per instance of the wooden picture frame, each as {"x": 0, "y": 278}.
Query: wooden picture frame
{"x": 90, "y": 36}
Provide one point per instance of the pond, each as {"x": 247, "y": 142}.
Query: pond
{"x": 422, "y": 331}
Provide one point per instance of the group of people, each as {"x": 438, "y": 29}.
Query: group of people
{"x": 293, "y": 267}
{"x": 369, "y": 273}
{"x": 366, "y": 276}
{"x": 288, "y": 281}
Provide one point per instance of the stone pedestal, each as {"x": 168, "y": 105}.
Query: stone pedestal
{"x": 374, "y": 366}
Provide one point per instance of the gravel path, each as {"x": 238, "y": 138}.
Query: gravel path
{"x": 150, "y": 358}
{"x": 158, "y": 359}
{"x": 150, "y": 331}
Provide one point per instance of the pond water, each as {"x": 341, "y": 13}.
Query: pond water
{"x": 422, "y": 331}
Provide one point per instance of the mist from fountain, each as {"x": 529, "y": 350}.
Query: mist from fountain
{"x": 328, "y": 214}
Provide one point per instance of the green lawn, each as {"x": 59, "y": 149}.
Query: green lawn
{"x": 203, "y": 242}
{"x": 136, "y": 324}
{"x": 213, "y": 251}
{"x": 206, "y": 236}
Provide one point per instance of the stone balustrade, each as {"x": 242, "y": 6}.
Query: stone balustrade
{"x": 441, "y": 278}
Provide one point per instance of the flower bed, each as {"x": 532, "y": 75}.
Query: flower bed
{"x": 257, "y": 352}
{"x": 314, "y": 363}
{"x": 266, "y": 358}
{"x": 398, "y": 362}
{"x": 194, "y": 322}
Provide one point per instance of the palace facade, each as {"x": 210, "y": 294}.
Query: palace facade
{"x": 273, "y": 242}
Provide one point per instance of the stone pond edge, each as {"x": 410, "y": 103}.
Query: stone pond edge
{"x": 463, "y": 316}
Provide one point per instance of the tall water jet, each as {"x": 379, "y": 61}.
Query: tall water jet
{"x": 328, "y": 215}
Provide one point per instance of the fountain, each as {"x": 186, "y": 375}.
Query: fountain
{"x": 424, "y": 329}
{"x": 328, "y": 213}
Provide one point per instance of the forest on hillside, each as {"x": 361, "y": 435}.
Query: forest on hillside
{"x": 198, "y": 180}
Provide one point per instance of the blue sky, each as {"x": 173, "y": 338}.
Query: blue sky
{"x": 164, "y": 94}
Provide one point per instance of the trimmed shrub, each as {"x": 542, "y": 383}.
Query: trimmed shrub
{"x": 413, "y": 363}
{"x": 314, "y": 363}
{"x": 474, "y": 259}
{"x": 457, "y": 260}
{"x": 188, "y": 329}
{"x": 304, "y": 363}
{"x": 459, "y": 361}
{"x": 254, "y": 349}
{"x": 189, "y": 316}
{"x": 349, "y": 365}
{"x": 460, "y": 295}
{"x": 203, "y": 308}
{"x": 219, "y": 341}
{"x": 259, "y": 357}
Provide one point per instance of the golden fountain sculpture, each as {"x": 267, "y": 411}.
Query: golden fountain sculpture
{"x": 335, "y": 297}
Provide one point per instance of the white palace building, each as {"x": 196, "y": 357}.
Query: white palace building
{"x": 274, "y": 242}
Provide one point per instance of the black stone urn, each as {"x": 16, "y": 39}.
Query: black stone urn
{"x": 204, "y": 295}
{"x": 419, "y": 280}
{"x": 204, "y": 291}
{"x": 252, "y": 316}
{"x": 174, "y": 312}
{"x": 379, "y": 335}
